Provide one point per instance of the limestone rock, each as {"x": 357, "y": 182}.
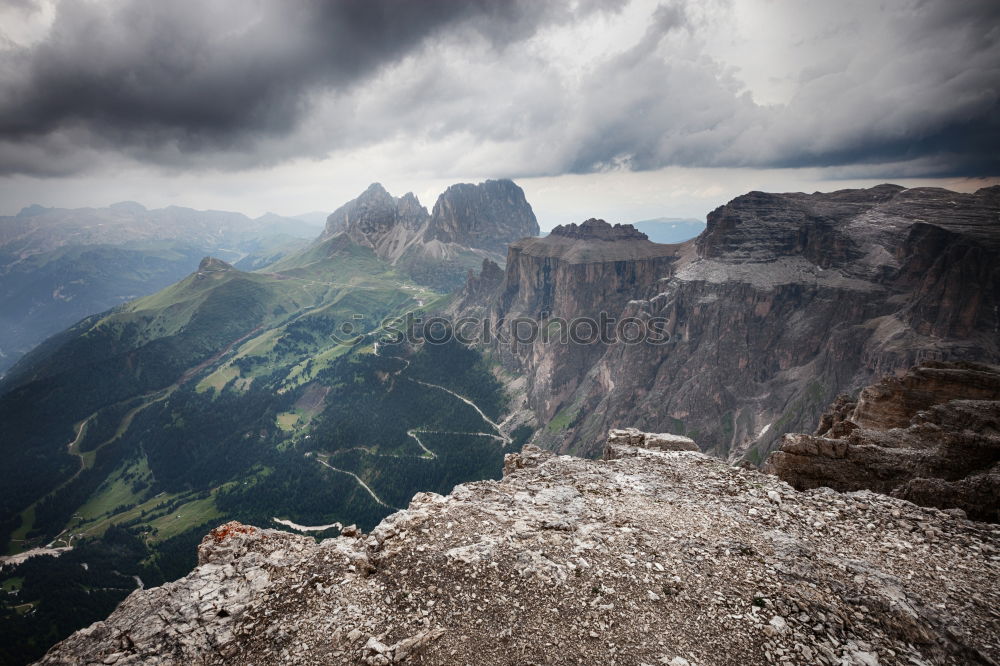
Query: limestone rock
{"x": 594, "y": 229}
{"x": 469, "y": 224}
{"x": 620, "y": 442}
{"x": 568, "y": 283}
{"x": 930, "y": 436}
{"x": 490, "y": 216}
{"x": 660, "y": 557}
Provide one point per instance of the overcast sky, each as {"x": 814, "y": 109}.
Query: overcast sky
{"x": 624, "y": 110}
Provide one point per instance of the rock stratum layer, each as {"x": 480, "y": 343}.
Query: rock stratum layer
{"x": 782, "y": 303}
{"x": 654, "y": 557}
{"x": 931, "y": 436}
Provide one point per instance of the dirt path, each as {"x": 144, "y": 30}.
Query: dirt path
{"x": 73, "y": 448}
{"x": 428, "y": 454}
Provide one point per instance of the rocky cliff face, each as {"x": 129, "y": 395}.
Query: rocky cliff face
{"x": 489, "y": 216}
{"x": 469, "y": 223}
{"x": 931, "y": 436}
{"x": 571, "y": 286}
{"x": 785, "y": 301}
{"x": 654, "y": 557}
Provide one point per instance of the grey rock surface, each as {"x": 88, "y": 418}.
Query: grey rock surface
{"x": 594, "y": 229}
{"x": 654, "y": 557}
{"x": 469, "y": 224}
{"x": 489, "y": 216}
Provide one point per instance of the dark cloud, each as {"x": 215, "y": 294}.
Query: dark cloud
{"x": 218, "y": 74}
{"x": 23, "y": 5}
{"x": 910, "y": 84}
{"x": 924, "y": 89}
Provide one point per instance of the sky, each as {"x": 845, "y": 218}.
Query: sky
{"x": 619, "y": 109}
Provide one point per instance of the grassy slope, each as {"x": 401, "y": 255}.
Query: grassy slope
{"x": 295, "y": 305}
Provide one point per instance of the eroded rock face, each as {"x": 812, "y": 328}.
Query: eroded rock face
{"x": 783, "y": 303}
{"x": 931, "y": 436}
{"x": 655, "y": 557}
{"x": 480, "y": 287}
{"x": 376, "y": 219}
{"x": 573, "y": 286}
{"x": 490, "y": 216}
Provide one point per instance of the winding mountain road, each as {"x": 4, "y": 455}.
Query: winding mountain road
{"x": 502, "y": 435}
{"x": 428, "y": 454}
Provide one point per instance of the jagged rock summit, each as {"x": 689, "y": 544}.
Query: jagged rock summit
{"x": 487, "y": 216}
{"x": 469, "y": 223}
{"x": 654, "y": 557}
{"x": 594, "y": 229}
{"x": 376, "y": 219}
{"x": 931, "y": 436}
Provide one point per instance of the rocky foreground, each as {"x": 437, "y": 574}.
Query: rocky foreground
{"x": 656, "y": 556}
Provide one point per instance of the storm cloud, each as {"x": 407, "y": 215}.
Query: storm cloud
{"x": 503, "y": 87}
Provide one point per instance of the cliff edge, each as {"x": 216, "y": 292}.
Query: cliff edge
{"x": 659, "y": 556}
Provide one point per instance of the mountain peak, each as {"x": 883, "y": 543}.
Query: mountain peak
{"x": 211, "y": 264}
{"x": 488, "y": 216}
{"x": 595, "y": 229}
{"x": 375, "y": 189}
{"x": 373, "y": 213}
{"x": 476, "y": 218}
{"x": 32, "y": 210}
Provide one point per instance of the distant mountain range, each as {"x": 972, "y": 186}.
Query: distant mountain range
{"x": 60, "y": 265}
{"x": 670, "y": 229}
